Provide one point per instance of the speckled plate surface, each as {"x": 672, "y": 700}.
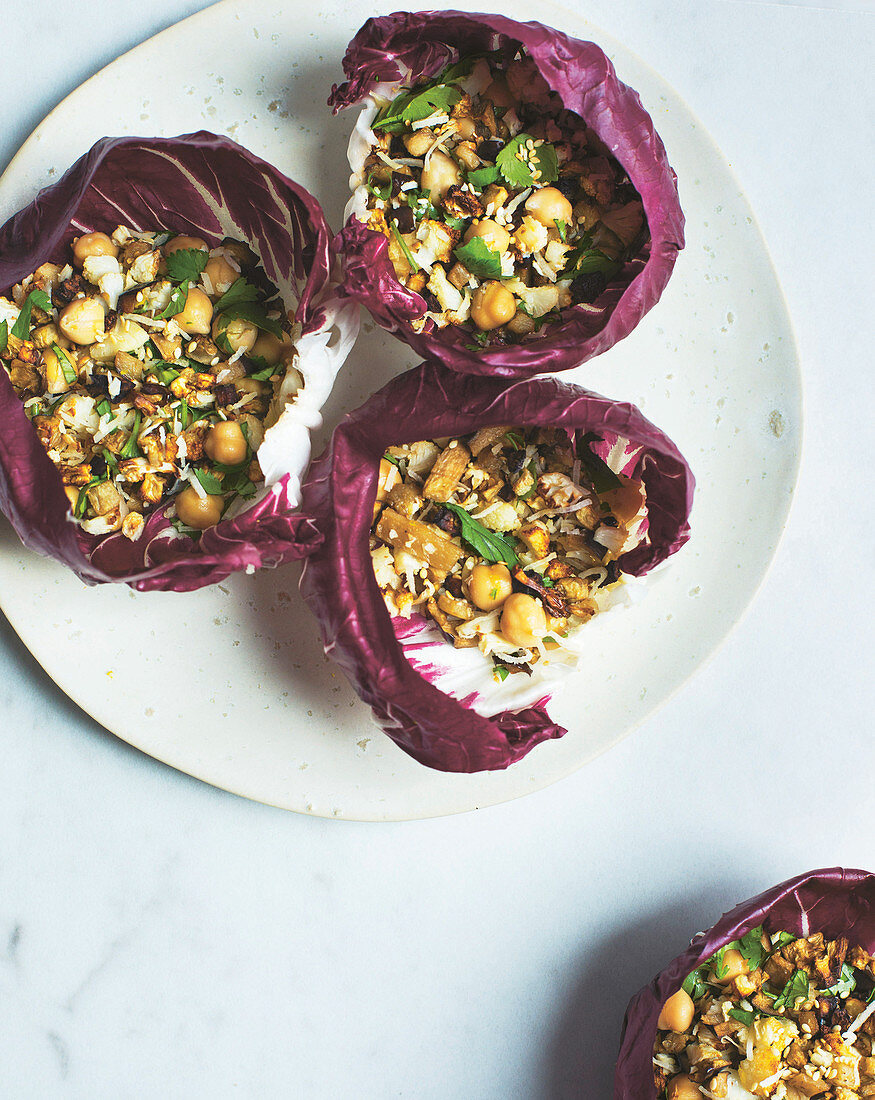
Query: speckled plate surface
{"x": 254, "y": 706}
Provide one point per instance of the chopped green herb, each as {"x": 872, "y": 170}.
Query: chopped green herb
{"x": 718, "y": 965}
{"x": 392, "y": 459}
{"x": 384, "y": 192}
{"x": 253, "y": 312}
{"x": 516, "y": 440}
{"x": 185, "y": 265}
{"x": 783, "y": 938}
{"x": 265, "y": 373}
{"x": 4, "y": 335}
{"x": 491, "y": 545}
{"x": 184, "y": 414}
{"x": 482, "y": 340}
{"x": 177, "y": 301}
{"x": 454, "y": 223}
{"x": 751, "y": 947}
{"x": 796, "y": 988}
{"x": 501, "y": 673}
{"x": 209, "y": 482}
{"x": 38, "y": 298}
{"x": 695, "y": 983}
{"x": 482, "y": 177}
{"x": 413, "y": 106}
{"x": 110, "y": 459}
{"x": 480, "y": 259}
{"x": 82, "y": 500}
{"x": 67, "y": 368}
{"x": 518, "y": 173}
{"x": 239, "y": 291}
{"x": 744, "y": 1017}
{"x": 104, "y": 408}
{"x": 561, "y": 227}
{"x": 131, "y": 448}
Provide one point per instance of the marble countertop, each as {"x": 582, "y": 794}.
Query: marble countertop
{"x": 161, "y": 938}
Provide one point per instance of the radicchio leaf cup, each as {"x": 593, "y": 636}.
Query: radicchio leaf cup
{"x": 439, "y": 704}
{"x": 418, "y": 46}
{"x": 834, "y": 901}
{"x": 211, "y": 187}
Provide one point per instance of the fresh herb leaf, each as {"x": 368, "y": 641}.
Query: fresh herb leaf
{"x": 501, "y": 673}
{"x": 183, "y": 529}
{"x": 561, "y": 227}
{"x": 718, "y": 965}
{"x": 177, "y": 300}
{"x": 751, "y": 948}
{"x": 67, "y": 368}
{"x": 454, "y": 223}
{"x": 209, "y": 482}
{"x": 239, "y": 291}
{"x": 103, "y": 408}
{"x": 846, "y": 984}
{"x": 783, "y": 939}
{"x": 82, "y": 500}
{"x": 480, "y": 259}
{"x": 110, "y": 459}
{"x": 392, "y": 459}
{"x": 695, "y": 983}
{"x": 516, "y": 440}
{"x": 4, "y": 335}
{"x": 402, "y": 244}
{"x": 547, "y": 582}
{"x": 519, "y": 173}
{"x": 482, "y": 177}
{"x": 482, "y": 340}
{"x": 796, "y": 988}
{"x": 744, "y": 1017}
{"x": 491, "y": 545}
{"x": 384, "y": 192}
{"x": 256, "y": 314}
{"x": 265, "y": 373}
{"x": 185, "y": 265}
{"x": 38, "y": 298}
{"x": 420, "y": 203}
{"x": 416, "y": 105}
{"x": 184, "y": 414}
{"x": 603, "y": 480}
{"x": 131, "y": 448}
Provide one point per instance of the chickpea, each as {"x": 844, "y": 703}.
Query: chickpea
{"x": 495, "y": 236}
{"x": 489, "y": 586}
{"x": 734, "y": 964}
{"x": 491, "y": 306}
{"x": 196, "y": 313}
{"x": 268, "y": 348}
{"x": 239, "y": 334}
{"x": 175, "y": 243}
{"x": 523, "y": 620}
{"x": 221, "y": 274}
{"x": 439, "y": 175}
{"x": 225, "y": 443}
{"x": 677, "y": 1012}
{"x": 251, "y": 385}
{"x": 683, "y": 1087}
{"x": 93, "y": 244}
{"x": 549, "y": 206}
{"x": 82, "y": 321}
{"x": 198, "y": 512}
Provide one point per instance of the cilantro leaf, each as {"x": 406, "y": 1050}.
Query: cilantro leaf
{"x": 695, "y": 983}
{"x": 796, "y": 988}
{"x": 744, "y": 1017}
{"x": 239, "y": 291}
{"x": 416, "y": 105}
{"x": 482, "y": 177}
{"x": 209, "y": 482}
{"x": 186, "y": 264}
{"x": 39, "y": 298}
{"x": 491, "y": 545}
{"x": 177, "y": 301}
{"x": 718, "y": 965}
{"x": 751, "y": 948}
{"x": 846, "y": 983}
{"x": 519, "y": 172}
{"x": 4, "y": 335}
{"x": 255, "y": 314}
{"x": 480, "y": 259}
{"x": 603, "y": 480}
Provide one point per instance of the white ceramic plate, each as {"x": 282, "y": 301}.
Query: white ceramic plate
{"x": 230, "y": 684}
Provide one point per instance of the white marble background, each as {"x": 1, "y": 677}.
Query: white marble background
{"x": 162, "y": 939}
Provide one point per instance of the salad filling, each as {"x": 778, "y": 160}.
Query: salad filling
{"x": 501, "y": 207}
{"x": 505, "y": 538}
{"x": 150, "y": 366}
{"x": 771, "y": 1015}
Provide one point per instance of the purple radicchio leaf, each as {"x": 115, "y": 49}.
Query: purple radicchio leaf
{"x": 834, "y": 901}
{"x": 418, "y": 46}
{"x": 382, "y": 656}
{"x": 210, "y": 187}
